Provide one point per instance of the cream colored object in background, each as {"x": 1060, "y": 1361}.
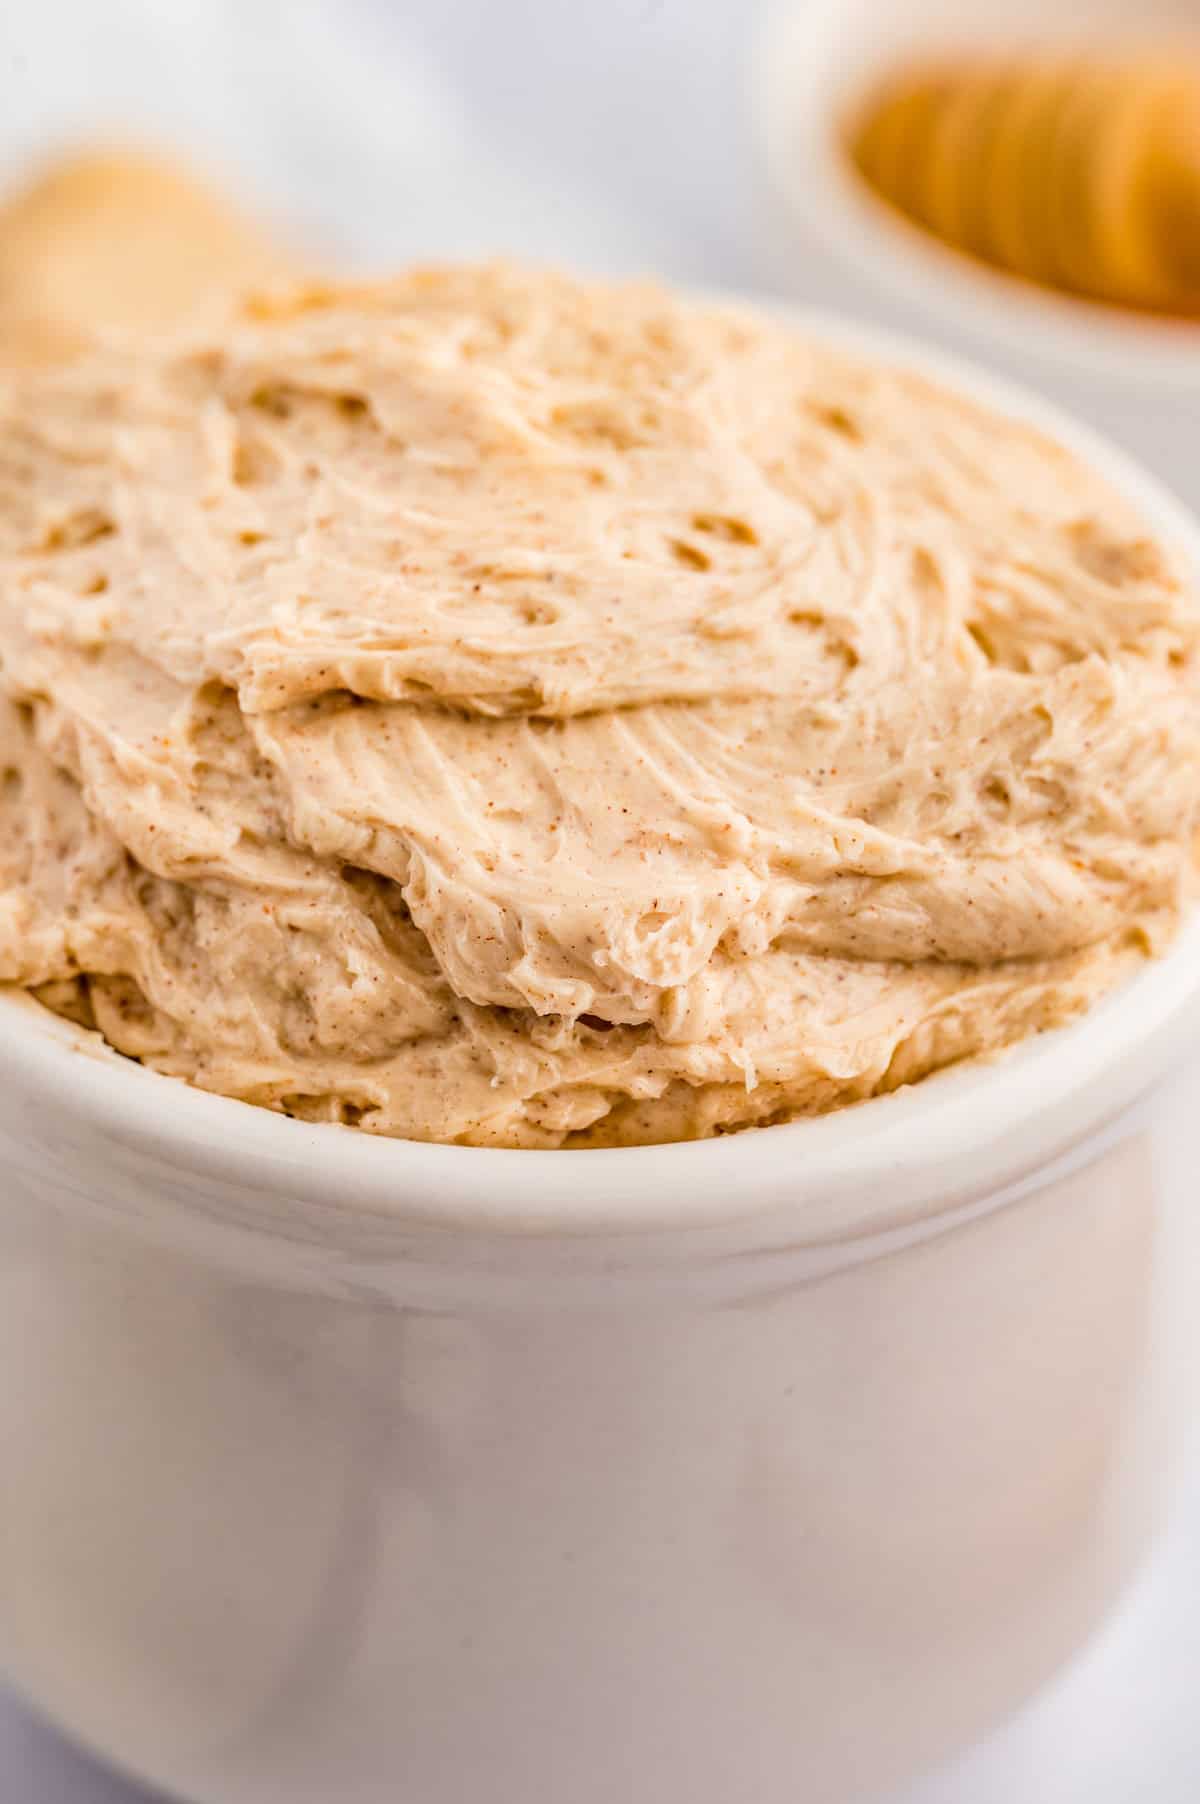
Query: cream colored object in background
{"x": 122, "y": 240}
{"x": 752, "y": 1469}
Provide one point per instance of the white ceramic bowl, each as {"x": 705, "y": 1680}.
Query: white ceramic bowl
{"x": 814, "y": 58}
{"x": 752, "y": 1470}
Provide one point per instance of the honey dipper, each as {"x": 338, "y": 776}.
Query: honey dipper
{"x": 1080, "y": 171}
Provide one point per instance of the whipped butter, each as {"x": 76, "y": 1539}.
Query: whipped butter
{"x": 485, "y": 707}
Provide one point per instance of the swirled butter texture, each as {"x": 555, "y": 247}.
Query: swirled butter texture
{"x": 490, "y": 708}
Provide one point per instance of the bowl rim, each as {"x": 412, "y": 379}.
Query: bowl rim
{"x": 795, "y": 103}
{"x": 956, "y": 1135}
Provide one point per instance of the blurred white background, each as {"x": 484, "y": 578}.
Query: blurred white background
{"x": 612, "y": 134}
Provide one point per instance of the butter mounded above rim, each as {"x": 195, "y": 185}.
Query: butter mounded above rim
{"x": 486, "y": 707}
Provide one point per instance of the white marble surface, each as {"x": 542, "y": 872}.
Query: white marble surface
{"x": 612, "y": 135}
